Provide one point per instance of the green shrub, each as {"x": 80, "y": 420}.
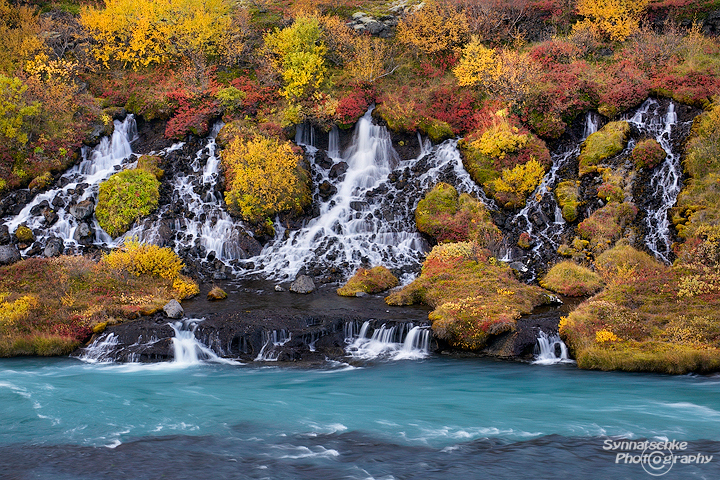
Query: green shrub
{"x": 124, "y": 198}
{"x": 151, "y": 164}
{"x": 375, "y": 280}
{"x": 603, "y": 144}
{"x": 648, "y": 154}
{"x": 568, "y": 199}
{"x": 569, "y": 278}
{"x": 437, "y": 130}
{"x": 447, "y": 217}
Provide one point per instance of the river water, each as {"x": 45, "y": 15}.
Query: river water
{"x": 435, "y": 418}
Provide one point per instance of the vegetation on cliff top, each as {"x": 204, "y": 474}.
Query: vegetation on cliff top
{"x": 373, "y": 280}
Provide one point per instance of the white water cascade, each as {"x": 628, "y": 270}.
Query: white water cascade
{"x": 101, "y": 350}
{"x": 79, "y": 183}
{"x": 666, "y": 179}
{"x": 390, "y": 343}
{"x": 188, "y": 350}
{"x": 546, "y": 225}
{"x": 207, "y": 226}
{"x": 273, "y": 339}
{"x": 550, "y": 349}
{"x": 370, "y": 218}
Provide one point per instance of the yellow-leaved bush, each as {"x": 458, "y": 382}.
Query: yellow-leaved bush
{"x": 147, "y": 259}
{"x": 514, "y": 185}
{"x": 437, "y": 27}
{"x": 610, "y": 19}
{"x": 139, "y": 34}
{"x": 264, "y": 177}
{"x": 299, "y": 55}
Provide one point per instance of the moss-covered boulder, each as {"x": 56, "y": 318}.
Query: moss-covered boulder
{"x": 606, "y": 225}
{"x": 216, "y": 293}
{"x": 374, "y": 280}
{"x": 648, "y": 154}
{"x": 449, "y": 217}
{"x": 437, "y": 130}
{"x": 23, "y": 234}
{"x": 568, "y": 198}
{"x": 151, "y": 164}
{"x": 473, "y": 295}
{"x": 573, "y": 280}
{"x": 124, "y": 198}
{"x": 602, "y": 145}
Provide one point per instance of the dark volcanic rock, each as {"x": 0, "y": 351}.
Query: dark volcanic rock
{"x": 5, "y": 237}
{"x": 54, "y": 247}
{"x": 9, "y": 254}
{"x": 84, "y": 235}
{"x": 82, "y": 210}
{"x": 338, "y": 169}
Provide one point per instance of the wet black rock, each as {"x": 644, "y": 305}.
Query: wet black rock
{"x": 84, "y": 235}
{"x": 326, "y": 190}
{"x": 322, "y": 159}
{"x": 82, "y": 210}
{"x": 50, "y": 216}
{"x": 9, "y": 254}
{"x": 338, "y": 170}
{"x": 5, "y": 237}
{"x": 54, "y": 247}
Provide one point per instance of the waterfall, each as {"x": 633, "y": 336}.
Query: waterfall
{"x": 275, "y": 338}
{"x": 550, "y": 349}
{"x": 666, "y": 179}
{"x": 541, "y": 217}
{"x": 392, "y": 343}
{"x": 188, "y": 350}
{"x": 77, "y": 184}
{"x": 101, "y": 350}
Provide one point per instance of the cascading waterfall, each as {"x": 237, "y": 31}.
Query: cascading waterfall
{"x": 188, "y": 350}
{"x": 78, "y": 184}
{"x": 101, "y": 350}
{"x": 370, "y": 219}
{"x": 666, "y": 180}
{"x": 208, "y": 227}
{"x": 541, "y": 217}
{"x": 391, "y": 343}
{"x": 550, "y": 349}
{"x": 275, "y": 338}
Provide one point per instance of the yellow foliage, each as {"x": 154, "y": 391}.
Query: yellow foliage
{"x": 15, "y": 110}
{"x": 613, "y": 19}
{"x": 20, "y": 40}
{"x": 11, "y": 312}
{"x": 446, "y": 251}
{"x": 437, "y": 27}
{"x": 299, "y": 56}
{"x": 500, "y": 139}
{"x": 602, "y": 336}
{"x": 506, "y": 73}
{"x": 145, "y": 259}
{"x": 521, "y": 180}
{"x": 156, "y": 31}
{"x": 264, "y": 177}
{"x": 371, "y": 58}
{"x": 185, "y": 288}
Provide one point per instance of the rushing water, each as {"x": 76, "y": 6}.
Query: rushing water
{"x": 430, "y": 419}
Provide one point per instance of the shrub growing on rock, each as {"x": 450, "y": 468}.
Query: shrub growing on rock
{"x": 568, "y": 199}
{"x": 447, "y": 217}
{"x": 264, "y": 177}
{"x": 374, "y": 280}
{"x": 569, "y": 278}
{"x": 124, "y": 198}
{"x": 473, "y": 296}
{"x": 648, "y": 154}
{"x": 514, "y": 185}
{"x": 602, "y": 145}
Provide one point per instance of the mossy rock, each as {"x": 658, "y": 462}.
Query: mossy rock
{"x": 41, "y": 182}
{"x": 609, "y": 192}
{"x": 569, "y": 278}
{"x": 449, "y": 217}
{"x": 151, "y": 164}
{"x": 375, "y": 280}
{"x": 124, "y": 198}
{"x": 437, "y": 130}
{"x": 602, "y": 145}
{"x": 216, "y": 293}
{"x": 568, "y": 198}
{"x": 24, "y": 234}
{"x": 648, "y": 154}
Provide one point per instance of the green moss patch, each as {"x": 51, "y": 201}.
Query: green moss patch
{"x": 449, "y": 217}
{"x": 374, "y": 280}
{"x": 151, "y": 164}
{"x": 124, "y": 198}
{"x": 568, "y": 199}
{"x": 569, "y": 278}
{"x": 602, "y": 145}
{"x": 473, "y": 296}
